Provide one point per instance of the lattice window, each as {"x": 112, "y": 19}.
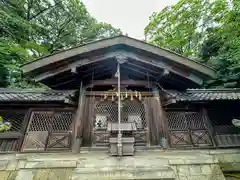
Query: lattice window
{"x": 187, "y": 129}
{"x": 11, "y": 139}
{"x": 133, "y": 111}
{"x": 47, "y": 121}
{"x": 16, "y": 119}
{"x": 195, "y": 120}
{"x": 176, "y": 121}
{"x": 180, "y": 138}
{"x": 107, "y": 111}
{"x": 48, "y": 131}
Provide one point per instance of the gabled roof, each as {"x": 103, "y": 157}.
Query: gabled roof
{"x": 125, "y": 40}
{"x": 205, "y": 94}
{"x": 69, "y": 67}
{"x": 35, "y": 95}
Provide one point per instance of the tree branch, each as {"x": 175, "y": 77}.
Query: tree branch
{"x": 44, "y": 10}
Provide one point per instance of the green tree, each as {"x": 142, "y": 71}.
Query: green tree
{"x": 32, "y": 28}
{"x": 206, "y": 30}
{"x": 183, "y": 26}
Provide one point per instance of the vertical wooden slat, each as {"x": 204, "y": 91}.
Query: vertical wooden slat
{"x": 147, "y": 117}
{"x": 163, "y": 122}
{"x": 78, "y": 122}
{"x": 24, "y": 129}
{"x": 86, "y": 120}
{"x": 152, "y": 110}
{"x": 90, "y": 119}
{"x": 209, "y": 126}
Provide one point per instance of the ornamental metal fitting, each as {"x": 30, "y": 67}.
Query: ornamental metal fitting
{"x": 121, "y": 58}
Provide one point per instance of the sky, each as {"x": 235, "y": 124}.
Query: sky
{"x": 131, "y": 16}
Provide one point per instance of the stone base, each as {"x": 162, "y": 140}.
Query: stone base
{"x": 177, "y": 165}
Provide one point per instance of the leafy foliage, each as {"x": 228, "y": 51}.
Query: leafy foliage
{"x": 32, "y": 28}
{"x": 206, "y": 30}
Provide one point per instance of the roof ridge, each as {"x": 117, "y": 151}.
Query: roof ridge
{"x": 213, "y": 90}
{"x": 32, "y": 90}
{"x": 121, "y": 36}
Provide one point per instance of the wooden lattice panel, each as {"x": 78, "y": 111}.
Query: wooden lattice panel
{"x": 107, "y": 112}
{"x": 48, "y": 131}
{"x": 200, "y": 138}
{"x": 10, "y": 140}
{"x": 48, "y": 121}
{"x": 176, "y": 121}
{"x": 58, "y": 141}
{"x": 195, "y": 120}
{"x": 133, "y": 111}
{"x": 35, "y": 141}
{"x": 15, "y": 118}
{"x": 188, "y": 129}
{"x": 180, "y": 138}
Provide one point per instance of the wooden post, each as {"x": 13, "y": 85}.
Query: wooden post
{"x": 78, "y": 122}
{"x": 23, "y": 129}
{"x": 209, "y": 126}
{"x": 162, "y": 121}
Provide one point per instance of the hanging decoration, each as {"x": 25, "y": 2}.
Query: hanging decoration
{"x": 123, "y": 95}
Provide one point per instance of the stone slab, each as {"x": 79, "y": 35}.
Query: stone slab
{"x": 50, "y": 164}
{"x": 25, "y": 175}
{"x": 4, "y": 175}
{"x": 117, "y": 175}
{"x": 3, "y": 164}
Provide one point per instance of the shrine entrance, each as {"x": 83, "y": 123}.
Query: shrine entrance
{"x": 101, "y": 115}
{"x": 106, "y": 113}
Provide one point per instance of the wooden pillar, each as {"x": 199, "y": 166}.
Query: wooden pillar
{"x": 78, "y": 122}
{"x": 209, "y": 126}
{"x": 163, "y": 126}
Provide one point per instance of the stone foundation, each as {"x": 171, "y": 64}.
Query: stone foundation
{"x": 175, "y": 165}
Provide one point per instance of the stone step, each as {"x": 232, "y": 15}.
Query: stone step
{"x": 123, "y": 173}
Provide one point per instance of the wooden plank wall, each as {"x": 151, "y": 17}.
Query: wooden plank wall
{"x": 153, "y": 120}
{"x": 88, "y": 116}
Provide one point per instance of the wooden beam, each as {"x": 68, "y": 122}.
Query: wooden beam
{"x": 142, "y": 67}
{"x": 75, "y": 64}
{"x": 101, "y": 93}
{"x": 137, "y": 71}
{"x": 139, "y": 45}
{"x": 94, "y": 73}
{"x": 156, "y": 63}
{"x": 110, "y": 82}
{"x": 10, "y": 135}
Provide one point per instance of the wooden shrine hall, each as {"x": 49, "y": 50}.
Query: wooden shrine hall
{"x": 118, "y": 94}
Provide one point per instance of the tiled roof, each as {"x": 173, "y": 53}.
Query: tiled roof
{"x": 206, "y": 94}
{"x": 35, "y": 95}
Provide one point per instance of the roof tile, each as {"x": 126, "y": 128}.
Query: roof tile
{"x": 206, "y": 94}
{"x": 34, "y": 95}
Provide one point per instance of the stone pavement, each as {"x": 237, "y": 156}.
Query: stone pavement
{"x": 90, "y": 165}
